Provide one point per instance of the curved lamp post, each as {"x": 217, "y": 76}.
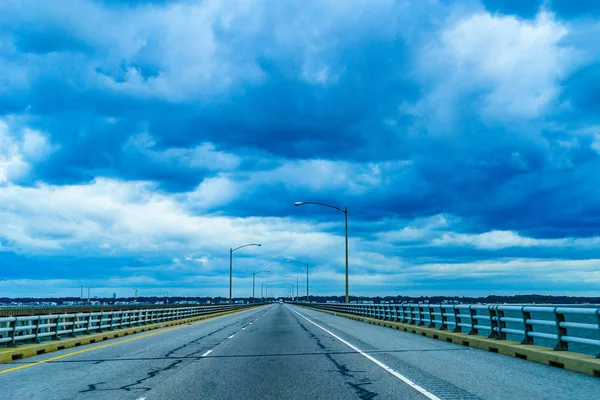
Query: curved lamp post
{"x": 262, "y": 287}
{"x": 292, "y": 276}
{"x": 305, "y": 264}
{"x": 345, "y": 211}
{"x": 231, "y": 265}
{"x": 253, "y": 277}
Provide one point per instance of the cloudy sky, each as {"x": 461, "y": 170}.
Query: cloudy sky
{"x": 140, "y": 140}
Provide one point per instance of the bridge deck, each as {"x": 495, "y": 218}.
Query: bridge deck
{"x": 283, "y": 351}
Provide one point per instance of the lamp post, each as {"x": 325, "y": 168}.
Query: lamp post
{"x": 345, "y": 211}
{"x": 291, "y": 276}
{"x": 253, "y": 277}
{"x": 89, "y": 289}
{"x": 265, "y": 283}
{"x": 231, "y": 266}
{"x": 80, "y": 293}
{"x": 306, "y": 264}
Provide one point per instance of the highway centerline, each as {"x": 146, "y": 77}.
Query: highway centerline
{"x": 404, "y": 379}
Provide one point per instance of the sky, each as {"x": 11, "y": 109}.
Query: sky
{"x": 141, "y": 140}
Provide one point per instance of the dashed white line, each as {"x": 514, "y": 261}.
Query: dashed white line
{"x": 244, "y": 328}
{"x": 404, "y": 379}
{"x": 231, "y": 336}
{"x": 207, "y": 353}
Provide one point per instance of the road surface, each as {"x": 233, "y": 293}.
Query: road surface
{"x": 284, "y": 352}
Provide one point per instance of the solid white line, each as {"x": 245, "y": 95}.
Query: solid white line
{"x": 404, "y": 379}
{"x": 231, "y": 336}
{"x": 207, "y": 353}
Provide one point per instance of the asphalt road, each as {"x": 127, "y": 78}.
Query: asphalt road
{"x": 284, "y": 352}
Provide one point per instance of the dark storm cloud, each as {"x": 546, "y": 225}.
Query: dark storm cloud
{"x": 486, "y": 113}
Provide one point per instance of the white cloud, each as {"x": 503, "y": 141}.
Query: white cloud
{"x": 19, "y": 148}
{"x": 514, "y": 65}
{"x": 204, "y": 156}
{"x": 132, "y": 217}
{"x": 213, "y": 192}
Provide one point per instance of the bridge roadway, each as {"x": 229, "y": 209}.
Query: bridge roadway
{"x": 284, "y": 352}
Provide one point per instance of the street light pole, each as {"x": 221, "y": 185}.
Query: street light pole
{"x": 231, "y": 267}
{"x": 253, "y": 277}
{"x": 345, "y": 211}
{"x": 306, "y": 264}
{"x": 291, "y": 276}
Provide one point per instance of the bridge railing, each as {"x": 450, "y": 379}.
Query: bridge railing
{"x": 562, "y": 328}
{"x": 36, "y": 328}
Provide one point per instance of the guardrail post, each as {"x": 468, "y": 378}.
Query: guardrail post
{"x": 89, "y": 322}
{"x": 473, "y": 313}
{"x": 12, "y": 324}
{"x": 560, "y": 332}
{"x": 431, "y": 317}
{"x": 444, "y": 317}
{"x": 36, "y": 330}
{"x": 407, "y": 313}
{"x": 57, "y": 327}
{"x": 492, "y": 312}
{"x": 420, "y": 309}
{"x": 527, "y": 327}
{"x": 455, "y": 311}
{"x": 394, "y": 312}
{"x": 500, "y": 323}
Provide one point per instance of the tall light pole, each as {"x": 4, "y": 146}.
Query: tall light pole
{"x": 231, "y": 266}
{"x": 262, "y": 287}
{"x": 253, "y": 277}
{"x": 345, "y": 211}
{"x": 306, "y": 264}
{"x": 291, "y": 276}
{"x": 89, "y": 289}
{"x": 81, "y": 292}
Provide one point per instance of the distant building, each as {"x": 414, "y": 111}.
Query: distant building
{"x": 114, "y": 296}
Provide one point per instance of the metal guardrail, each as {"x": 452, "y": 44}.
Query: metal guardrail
{"x": 13, "y": 311}
{"x": 36, "y": 328}
{"x": 556, "y": 327}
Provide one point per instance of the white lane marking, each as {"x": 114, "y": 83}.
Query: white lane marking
{"x": 207, "y": 353}
{"x": 404, "y": 379}
{"x": 141, "y": 398}
{"x": 250, "y": 323}
{"x": 231, "y": 336}
{"x": 244, "y": 328}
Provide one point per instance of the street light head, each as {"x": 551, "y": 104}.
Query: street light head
{"x": 259, "y": 245}
{"x": 299, "y": 203}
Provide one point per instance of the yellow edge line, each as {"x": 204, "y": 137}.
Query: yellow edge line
{"x": 109, "y": 345}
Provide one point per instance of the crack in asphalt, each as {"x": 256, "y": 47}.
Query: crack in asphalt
{"x": 152, "y": 373}
{"x": 433, "y": 383}
{"x": 130, "y": 387}
{"x": 361, "y": 392}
